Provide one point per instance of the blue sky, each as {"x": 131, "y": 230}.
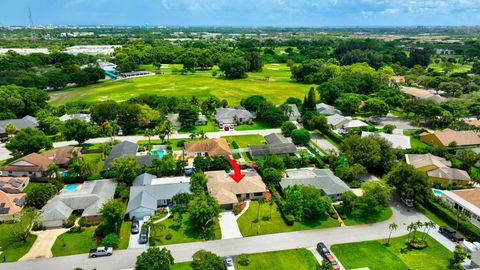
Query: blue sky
{"x": 243, "y": 12}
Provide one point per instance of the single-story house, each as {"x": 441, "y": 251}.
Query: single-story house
{"x": 418, "y": 93}
{"x": 293, "y": 114}
{"x": 62, "y": 156}
{"x": 337, "y": 121}
{"x": 438, "y": 169}
{"x": 11, "y": 204}
{"x": 33, "y": 165}
{"x": 397, "y": 140}
{"x": 123, "y": 149}
{"x": 13, "y": 184}
{"x": 86, "y": 200}
{"x": 207, "y": 148}
{"x": 323, "y": 108}
{"x": 274, "y": 144}
{"x": 174, "y": 119}
{"x": 398, "y": 79}
{"x": 149, "y": 192}
{"x": 228, "y": 192}
{"x": 80, "y": 116}
{"x": 448, "y": 136}
{"x": 465, "y": 200}
{"x": 323, "y": 179}
{"x": 354, "y": 124}
{"x": 25, "y": 122}
{"x": 227, "y": 118}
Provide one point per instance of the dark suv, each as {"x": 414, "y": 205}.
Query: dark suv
{"x": 322, "y": 248}
{"x": 143, "y": 238}
{"x": 450, "y": 234}
{"x": 135, "y": 226}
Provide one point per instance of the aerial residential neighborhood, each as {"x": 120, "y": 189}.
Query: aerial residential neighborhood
{"x": 239, "y": 135}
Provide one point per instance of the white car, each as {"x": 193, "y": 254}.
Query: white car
{"x": 229, "y": 263}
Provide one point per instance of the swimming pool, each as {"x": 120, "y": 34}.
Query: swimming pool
{"x": 71, "y": 187}
{"x": 159, "y": 152}
{"x": 437, "y": 192}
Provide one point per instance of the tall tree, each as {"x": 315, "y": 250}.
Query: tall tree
{"x": 27, "y": 141}
{"x": 154, "y": 259}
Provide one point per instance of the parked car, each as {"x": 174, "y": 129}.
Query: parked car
{"x": 332, "y": 261}
{"x": 100, "y": 252}
{"x": 450, "y": 234}
{"x": 469, "y": 246}
{"x": 143, "y": 238}
{"x": 135, "y": 226}
{"x": 408, "y": 202}
{"x": 229, "y": 263}
{"x": 322, "y": 248}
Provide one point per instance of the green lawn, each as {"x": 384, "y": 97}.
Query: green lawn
{"x": 96, "y": 161}
{"x": 171, "y": 142}
{"x": 276, "y": 224}
{"x": 298, "y": 259}
{"x": 375, "y": 255}
{"x": 182, "y": 266}
{"x": 31, "y": 185}
{"x": 180, "y": 234}
{"x": 201, "y": 84}
{"x": 415, "y": 142}
{"x": 12, "y": 248}
{"x": 125, "y": 234}
{"x": 74, "y": 243}
{"x": 209, "y": 127}
{"x": 245, "y": 140}
{"x": 384, "y": 215}
{"x": 254, "y": 126}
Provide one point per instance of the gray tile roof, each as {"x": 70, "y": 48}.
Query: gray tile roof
{"x": 275, "y": 144}
{"x": 123, "y": 149}
{"x": 144, "y": 179}
{"x": 227, "y": 115}
{"x": 323, "y": 108}
{"x": 323, "y": 179}
{"x": 147, "y": 160}
{"x": 336, "y": 119}
{"x": 25, "y": 122}
{"x": 90, "y": 197}
{"x": 274, "y": 138}
{"x": 142, "y": 199}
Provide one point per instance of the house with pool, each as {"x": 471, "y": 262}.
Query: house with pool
{"x": 149, "y": 192}
{"x": 83, "y": 200}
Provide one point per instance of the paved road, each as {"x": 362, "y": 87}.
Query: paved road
{"x": 211, "y": 135}
{"x": 125, "y": 259}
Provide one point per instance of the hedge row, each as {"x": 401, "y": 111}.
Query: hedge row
{"x": 289, "y": 218}
{"x": 465, "y": 227}
{"x": 333, "y": 136}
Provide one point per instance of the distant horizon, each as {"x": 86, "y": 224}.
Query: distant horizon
{"x": 245, "y": 13}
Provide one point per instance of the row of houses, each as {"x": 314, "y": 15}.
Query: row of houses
{"x": 149, "y": 193}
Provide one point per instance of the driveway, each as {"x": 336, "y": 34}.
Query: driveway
{"x": 133, "y": 243}
{"x": 229, "y": 226}
{"x": 4, "y": 153}
{"x": 323, "y": 143}
{"x": 42, "y": 248}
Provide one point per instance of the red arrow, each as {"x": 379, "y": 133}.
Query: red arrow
{"x": 237, "y": 176}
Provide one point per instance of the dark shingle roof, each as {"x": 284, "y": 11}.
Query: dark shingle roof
{"x": 123, "y": 149}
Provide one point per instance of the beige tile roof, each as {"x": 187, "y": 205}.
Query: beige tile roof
{"x": 470, "y": 195}
{"x": 449, "y": 173}
{"x": 464, "y": 137}
{"x": 40, "y": 163}
{"x": 62, "y": 155}
{"x": 419, "y": 161}
{"x": 222, "y": 187}
{"x": 214, "y": 147}
{"x": 473, "y": 122}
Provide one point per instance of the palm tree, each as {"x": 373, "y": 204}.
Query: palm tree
{"x": 114, "y": 126}
{"x": 202, "y": 135}
{"x": 148, "y": 133}
{"x": 260, "y": 202}
{"x": 393, "y": 227}
{"x": 271, "y": 202}
{"x": 10, "y": 129}
{"x": 193, "y": 135}
{"x": 155, "y": 228}
{"x": 52, "y": 172}
{"x": 427, "y": 226}
{"x": 168, "y": 128}
{"x": 409, "y": 229}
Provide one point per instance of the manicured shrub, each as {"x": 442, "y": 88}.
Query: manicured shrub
{"x": 75, "y": 229}
{"x": 83, "y": 222}
{"x": 111, "y": 240}
{"x": 243, "y": 260}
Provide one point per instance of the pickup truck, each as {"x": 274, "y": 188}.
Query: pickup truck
{"x": 450, "y": 234}
{"x": 100, "y": 252}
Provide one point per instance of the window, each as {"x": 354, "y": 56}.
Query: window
{"x": 258, "y": 194}
{"x": 247, "y": 196}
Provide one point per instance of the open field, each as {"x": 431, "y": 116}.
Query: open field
{"x": 201, "y": 84}
{"x": 298, "y": 259}
{"x": 376, "y": 255}
{"x": 271, "y": 221}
